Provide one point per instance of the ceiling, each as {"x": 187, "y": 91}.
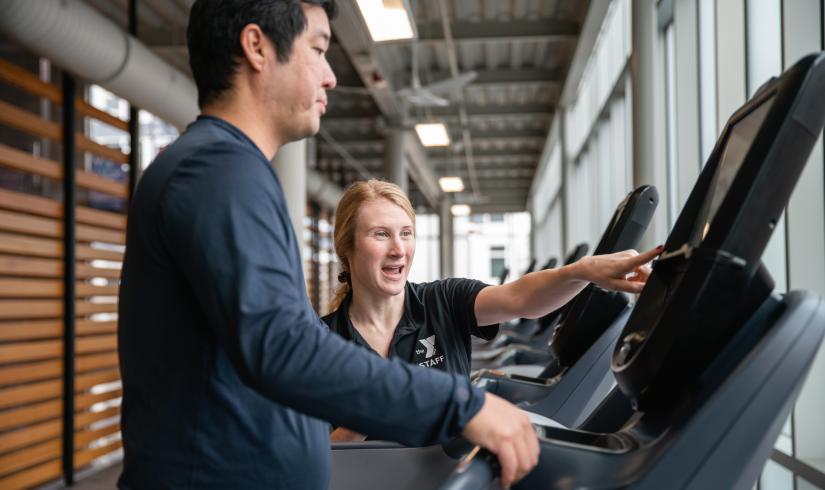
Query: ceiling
{"x": 520, "y": 50}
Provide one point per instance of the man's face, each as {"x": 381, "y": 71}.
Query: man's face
{"x": 296, "y": 90}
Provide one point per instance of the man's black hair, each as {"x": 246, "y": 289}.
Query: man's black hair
{"x": 214, "y": 31}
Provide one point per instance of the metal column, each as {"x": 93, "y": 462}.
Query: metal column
{"x": 395, "y": 163}
{"x": 68, "y": 276}
{"x": 134, "y": 115}
{"x": 445, "y": 219}
{"x": 291, "y": 166}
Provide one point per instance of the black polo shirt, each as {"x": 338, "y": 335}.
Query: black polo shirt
{"x": 435, "y": 330}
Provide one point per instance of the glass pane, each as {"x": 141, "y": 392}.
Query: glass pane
{"x": 707, "y": 75}
{"x": 775, "y": 477}
{"x": 496, "y": 267}
{"x": 784, "y": 442}
{"x": 670, "y": 90}
{"x": 803, "y": 484}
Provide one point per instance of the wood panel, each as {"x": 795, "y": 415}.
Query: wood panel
{"x": 85, "y": 381}
{"x": 85, "y": 144}
{"x": 20, "y": 309}
{"x": 30, "y": 288}
{"x": 50, "y": 288}
{"x": 85, "y": 252}
{"x": 38, "y": 329}
{"x": 25, "y": 267}
{"x": 33, "y": 476}
{"x": 83, "y": 289}
{"x": 25, "y": 121}
{"x": 96, "y": 343}
{"x": 29, "y": 435}
{"x": 83, "y": 271}
{"x": 33, "y": 371}
{"x": 89, "y": 233}
{"x": 30, "y": 414}
{"x": 23, "y": 458}
{"x": 88, "y": 418}
{"x": 25, "y": 162}
{"x": 98, "y": 217}
{"x": 30, "y": 351}
{"x": 92, "y": 362}
{"x": 39, "y": 247}
{"x": 31, "y": 300}
{"x": 84, "y": 309}
{"x": 86, "y": 456}
{"x": 86, "y": 400}
{"x": 85, "y": 437}
{"x": 28, "y": 81}
{"x": 30, "y": 123}
{"x": 31, "y": 225}
{"x": 31, "y": 205}
{"x": 89, "y": 327}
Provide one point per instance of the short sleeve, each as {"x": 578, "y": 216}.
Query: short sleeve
{"x": 461, "y": 299}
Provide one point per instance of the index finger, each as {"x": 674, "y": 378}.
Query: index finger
{"x": 509, "y": 465}
{"x": 644, "y": 258}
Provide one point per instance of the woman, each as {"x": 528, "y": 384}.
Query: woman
{"x": 430, "y": 324}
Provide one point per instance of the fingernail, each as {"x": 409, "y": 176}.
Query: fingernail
{"x": 660, "y": 248}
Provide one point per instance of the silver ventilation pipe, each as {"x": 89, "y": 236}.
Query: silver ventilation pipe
{"x": 84, "y": 42}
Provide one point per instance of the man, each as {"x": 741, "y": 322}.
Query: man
{"x": 226, "y": 369}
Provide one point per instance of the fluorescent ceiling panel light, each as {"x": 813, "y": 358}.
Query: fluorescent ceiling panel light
{"x": 460, "y": 210}
{"x": 451, "y": 184}
{"x": 387, "y": 20}
{"x": 432, "y": 134}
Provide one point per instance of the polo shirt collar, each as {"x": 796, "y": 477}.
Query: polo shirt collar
{"x": 412, "y": 319}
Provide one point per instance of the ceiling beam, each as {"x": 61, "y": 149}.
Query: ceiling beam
{"x": 489, "y": 134}
{"x": 509, "y": 76}
{"x": 487, "y": 110}
{"x": 545, "y": 30}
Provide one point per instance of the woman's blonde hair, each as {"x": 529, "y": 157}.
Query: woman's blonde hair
{"x": 354, "y": 197}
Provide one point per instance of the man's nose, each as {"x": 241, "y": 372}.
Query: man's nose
{"x": 328, "y": 82}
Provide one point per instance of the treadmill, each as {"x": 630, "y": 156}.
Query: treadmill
{"x": 522, "y": 327}
{"x": 575, "y": 396}
{"x": 589, "y": 313}
{"x": 710, "y": 361}
{"x": 570, "y": 387}
{"x": 527, "y": 329}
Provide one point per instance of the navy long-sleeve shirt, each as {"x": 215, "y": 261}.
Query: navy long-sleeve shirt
{"x": 227, "y": 371}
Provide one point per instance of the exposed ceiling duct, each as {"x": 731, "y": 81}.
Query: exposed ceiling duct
{"x": 79, "y": 39}
{"x": 84, "y": 42}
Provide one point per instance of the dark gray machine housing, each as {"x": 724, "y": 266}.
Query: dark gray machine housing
{"x": 711, "y": 361}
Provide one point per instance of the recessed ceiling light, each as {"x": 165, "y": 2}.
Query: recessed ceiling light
{"x": 388, "y": 20}
{"x": 460, "y": 210}
{"x": 451, "y": 184}
{"x": 432, "y": 134}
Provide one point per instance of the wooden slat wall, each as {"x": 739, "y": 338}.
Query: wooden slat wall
{"x": 31, "y": 303}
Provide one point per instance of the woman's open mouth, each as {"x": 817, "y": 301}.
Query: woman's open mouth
{"x": 394, "y": 272}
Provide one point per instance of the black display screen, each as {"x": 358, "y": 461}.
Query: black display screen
{"x": 739, "y": 140}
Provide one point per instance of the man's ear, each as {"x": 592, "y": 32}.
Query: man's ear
{"x": 254, "y": 46}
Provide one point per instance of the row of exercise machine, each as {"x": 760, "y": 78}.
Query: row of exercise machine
{"x": 689, "y": 387}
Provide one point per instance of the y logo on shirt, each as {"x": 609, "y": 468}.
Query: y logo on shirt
{"x": 429, "y": 344}
{"x": 429, "y": 354}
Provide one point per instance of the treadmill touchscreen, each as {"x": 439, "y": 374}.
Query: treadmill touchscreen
{"x": 739, "y": 140}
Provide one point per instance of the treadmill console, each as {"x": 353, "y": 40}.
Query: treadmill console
{"x": 710, "y": 277}
{"x": 589, "y": 314}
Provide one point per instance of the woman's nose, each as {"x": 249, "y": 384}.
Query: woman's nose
{"x": 397, "y": 247}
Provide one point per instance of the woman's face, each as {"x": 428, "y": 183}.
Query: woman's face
{"x": 383, "y": 248}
